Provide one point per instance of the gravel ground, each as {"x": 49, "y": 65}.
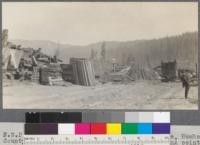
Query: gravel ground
{"x": 135, "y": 95}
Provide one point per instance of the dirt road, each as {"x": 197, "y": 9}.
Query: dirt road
{"x": 136, "y": 95}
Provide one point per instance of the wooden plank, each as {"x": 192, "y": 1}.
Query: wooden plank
{"x": 86, "y": 72}
{"x": 75, "y": 71}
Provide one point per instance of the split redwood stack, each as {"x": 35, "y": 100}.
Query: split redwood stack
{"x": 35, "y": 75}
{"x": 75, "y": 70}
{"x": 83, "y": 71}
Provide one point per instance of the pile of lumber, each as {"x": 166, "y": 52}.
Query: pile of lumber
{"x": 120, "y": 76}
{"x": 35, "y": 75}
{"x": 67, "y": 72}
{"x": 53, "y": 71}
{"x": 169, "y": 71}
{"x": 83, "y": 71}
{"x": 138, "y": 72}
{"x": 33, "y": 65}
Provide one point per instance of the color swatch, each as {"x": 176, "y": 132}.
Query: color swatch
{"x": 113, "y": 128}
{"x": 98, "y": 128}
{"x": 66, "y": 128}
{"x": 110, "y": 123}
{"x": 145, "y": 128}
{"x": 161, "y": 128}
{"x": 129, "y": 128}
{"x": 98, "y": 117}
{"x": 82, "y": 128}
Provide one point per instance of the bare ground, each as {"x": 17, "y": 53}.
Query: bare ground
{"x": 135, "y": 95}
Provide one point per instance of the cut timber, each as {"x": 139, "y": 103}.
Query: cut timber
{"x": 35, "y": 75}
{"x": 74, "y": 69}
{"x": 53, "y": 71}
{"x": 15, "y": 57}
{"x": 82, "y": 71}
{"x": 67, "y": 72}
{"x": 169, "y": 71}
{"x": 34, "y": 61}
{"x": 5, "y": 57}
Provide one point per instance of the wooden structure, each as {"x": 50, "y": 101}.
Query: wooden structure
{"x": 83, "y": 71}
{"x": 120, "y": 75}
{"x": 67, "y": 72}
{"x": 35, "y": 75}
{"x": 169, "y": 71}
{"x": 53, "y": 71}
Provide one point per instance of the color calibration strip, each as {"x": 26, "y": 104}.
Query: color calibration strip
{"x": 97, "y": 128}
{"x": 110, "y": 123}
{"x": 96, "y": 117}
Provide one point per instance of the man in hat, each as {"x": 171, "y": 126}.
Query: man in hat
{"x": 185, "y": 79}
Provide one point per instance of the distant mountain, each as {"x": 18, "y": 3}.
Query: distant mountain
{"x": 51, "y": 48}
{"x": 181, "y": 47}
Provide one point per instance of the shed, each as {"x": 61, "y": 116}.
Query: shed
{"x": 169, "y": 71}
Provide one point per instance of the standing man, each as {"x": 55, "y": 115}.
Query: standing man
{"x": 186, "y": 83}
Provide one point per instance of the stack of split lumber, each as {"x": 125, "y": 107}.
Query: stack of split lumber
{"x": 83, "y": 71}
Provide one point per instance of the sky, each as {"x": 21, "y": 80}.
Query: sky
{"x": 82, "y": 23}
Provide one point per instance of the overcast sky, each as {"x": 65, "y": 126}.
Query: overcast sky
{"x": 83, "y": 23}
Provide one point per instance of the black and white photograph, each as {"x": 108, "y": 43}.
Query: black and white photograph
{"x": 100, "y": 55}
